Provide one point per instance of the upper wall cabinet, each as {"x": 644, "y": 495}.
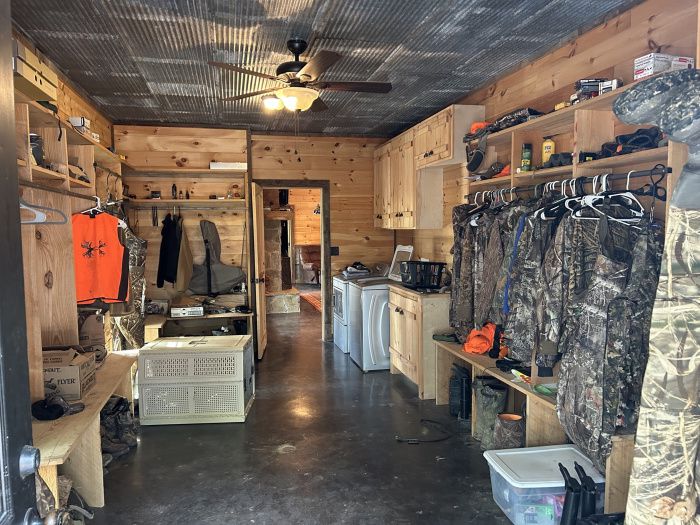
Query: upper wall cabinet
{"x": 408, "y": 192}
{"x": 438, "y": 140}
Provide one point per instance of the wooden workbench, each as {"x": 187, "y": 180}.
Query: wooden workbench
{"x": 73, "y": 442}
{"x": 153, "y": 325}
{"x": 542, "y": 425}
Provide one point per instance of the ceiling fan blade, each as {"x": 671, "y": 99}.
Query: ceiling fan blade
{"x": 244, "y": 71}
{"x": 359, "y": 87}
{"x": 253, "y": 94}
{"x": 318, "y": 105}
{"x": 318, "y": 64}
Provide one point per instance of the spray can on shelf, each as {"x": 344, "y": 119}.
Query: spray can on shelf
{"x": 526, "y": 157}
{"x": 548, "y": 148}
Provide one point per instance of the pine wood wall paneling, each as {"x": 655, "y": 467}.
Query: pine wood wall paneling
{"x": 306, "y": 225}
{"x": 607, "y": 50}
{"x": 160, "y": 147}
{"x": 163, "y": 148}
{"x": 347, "y": 163}
{"x": 666, "y": 25}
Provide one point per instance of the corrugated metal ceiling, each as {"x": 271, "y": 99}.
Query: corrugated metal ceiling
{"x": 146, "y": 60}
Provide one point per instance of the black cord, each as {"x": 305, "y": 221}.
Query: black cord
{"x": 427, "y": 423}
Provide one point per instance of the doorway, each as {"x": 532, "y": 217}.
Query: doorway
{"x": 296, "y": 244}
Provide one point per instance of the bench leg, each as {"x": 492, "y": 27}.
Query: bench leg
{"x": 443, "y": 372}
{"x": 50, "y": 476}
{"x": 84, "y": 466}
{"x": 542, "y": 426}
{"x": 126, "y": 388}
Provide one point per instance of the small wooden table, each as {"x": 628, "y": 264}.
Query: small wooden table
{"x": 542, "y": 426}
{"x": 74, "y": 443}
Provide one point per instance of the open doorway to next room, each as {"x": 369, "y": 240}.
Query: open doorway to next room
{"x": 292, "y": 249}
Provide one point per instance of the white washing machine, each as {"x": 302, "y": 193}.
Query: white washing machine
{"x": 368, "y": 323}
{"x": 340, "y": 313}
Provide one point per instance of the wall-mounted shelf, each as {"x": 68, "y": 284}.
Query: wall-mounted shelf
{"x": 21, "y": 163}
{"x": 499, "y": 181}
{"x": 44, "y": 174}
{"x": 647, "y": 156}
{"x": 557, "y": 122}
{"x": 237, "y": 203}
{"x": 141, "y": 172}
{"x": 77, "y": 183}
{"x": 544, "y": 173}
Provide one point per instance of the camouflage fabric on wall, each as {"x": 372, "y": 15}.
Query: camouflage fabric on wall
{"x": 580, "y": 390}
{"x": 490, "y": 397}
{"x": 664, "y": 482}
{"x": 128, "y": 329}
{"x": 462, "y": 303}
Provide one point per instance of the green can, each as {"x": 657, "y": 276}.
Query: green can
{"x": 526, "y": 157}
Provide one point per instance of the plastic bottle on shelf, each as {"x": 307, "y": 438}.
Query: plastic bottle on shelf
{"x": 548, "y": 148}
{"x": 526, "y": 157}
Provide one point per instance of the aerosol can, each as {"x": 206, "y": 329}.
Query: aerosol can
{"x": 548, "y": 147}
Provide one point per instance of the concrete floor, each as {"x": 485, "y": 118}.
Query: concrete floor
{"x": 318, "y": 447}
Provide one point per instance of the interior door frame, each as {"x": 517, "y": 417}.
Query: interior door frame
{"x": 326, "y": 278}
{"x": 16, "y": 492}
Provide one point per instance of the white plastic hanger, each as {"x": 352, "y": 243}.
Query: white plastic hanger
{"x": 40, "y": 217}
{"x": 97, "y": 208}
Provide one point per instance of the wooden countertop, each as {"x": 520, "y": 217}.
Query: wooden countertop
{"x": 403, "y": 290}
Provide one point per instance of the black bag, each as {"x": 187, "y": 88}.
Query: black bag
{"x": 632, "y": 142}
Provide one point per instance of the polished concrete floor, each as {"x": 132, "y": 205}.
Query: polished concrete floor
{"x": 318, "y": 447}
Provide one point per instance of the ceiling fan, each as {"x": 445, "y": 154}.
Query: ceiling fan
{"x": 301, "y": 81}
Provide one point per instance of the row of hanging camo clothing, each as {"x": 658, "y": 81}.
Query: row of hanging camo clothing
{"x": 572, "y": 278}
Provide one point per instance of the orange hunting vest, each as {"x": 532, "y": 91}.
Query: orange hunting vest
{"x": 101, "y": 262}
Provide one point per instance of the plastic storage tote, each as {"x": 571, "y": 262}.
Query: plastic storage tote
{"x": 528, "y": 486}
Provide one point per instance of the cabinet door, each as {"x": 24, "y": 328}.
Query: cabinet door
{"x": 422, "y": 143}
{"x": 395, "y": 327}
{"x": 379, "y": 192}
{"x": 441, "y": 136}
{"x": 409, "y": 196}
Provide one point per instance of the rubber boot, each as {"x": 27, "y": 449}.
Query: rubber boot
{"x": 569, "y": 514}
{"x": 509, "y": 431}
{"x": 588, "y": 492}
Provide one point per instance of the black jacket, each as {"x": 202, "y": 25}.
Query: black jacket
{"x": 169, "y": 251}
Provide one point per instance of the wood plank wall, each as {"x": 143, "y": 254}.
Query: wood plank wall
{"x": 347, "y": 163}
{"x": 306, "y": 225}
{"x": 178, "y": 148}
{"x": 608, "y": 50}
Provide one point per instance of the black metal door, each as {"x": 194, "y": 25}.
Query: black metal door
{"x": 17, "y": 497}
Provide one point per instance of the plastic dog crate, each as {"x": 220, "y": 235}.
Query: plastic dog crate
{"x": 189, "y": 380}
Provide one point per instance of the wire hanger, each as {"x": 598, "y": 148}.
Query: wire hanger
{"x": 40, "y": 216}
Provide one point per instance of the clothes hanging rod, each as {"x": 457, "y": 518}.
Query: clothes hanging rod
{"x": 657, "y": 170}
{"x": 60, "y": 191}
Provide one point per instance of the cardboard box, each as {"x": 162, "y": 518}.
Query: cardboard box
{"x": 655, "y": 63}
{"x": 71, "y": 372}
{"x": 91, "y": 330}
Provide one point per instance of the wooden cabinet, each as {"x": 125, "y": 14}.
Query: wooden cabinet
{"x": 382, "y": 187}
{"x": 408, "y": 181}
{"x": 438, "y": 140}
{"x": 413, "y": 319}
{"x": 404, "y": 197}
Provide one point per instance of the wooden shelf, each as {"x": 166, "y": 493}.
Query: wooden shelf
{"x": 56, "y": 439}
{"x": 77, "y": 183}
{"x": 21, "y": 163}
{"x": 496, "y": 181}
{"x": 487, "y": 366}
{"x": 557, "y": 171}
{"x": 647, "y": 156}
{"x": 556, "y": 122}
{"x": 44, "y": 174}
{"x": 180, "y": 171}
{"x": 225, "y": 315}
{"x": 41, "y": 117}
{"x": 185, "y": 202}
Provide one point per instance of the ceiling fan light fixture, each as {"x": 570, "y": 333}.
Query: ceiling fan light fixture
{"x": 296, "y": 98}
{"x": 272, "y": 103}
